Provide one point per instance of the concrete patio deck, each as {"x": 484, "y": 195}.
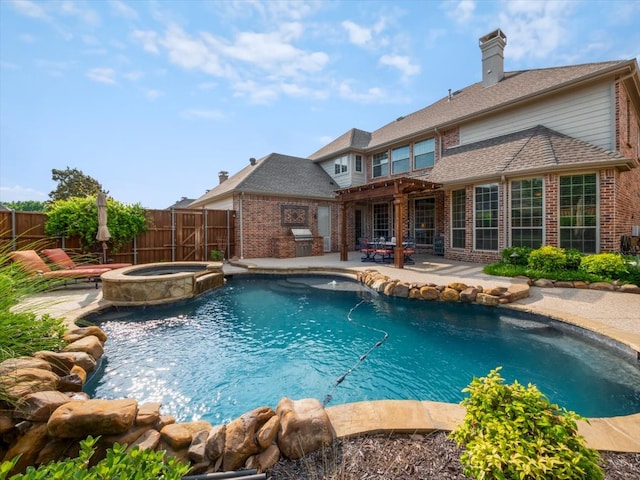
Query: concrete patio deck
{"x": 613, "y": 314}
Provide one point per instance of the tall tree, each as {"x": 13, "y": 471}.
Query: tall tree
{"x": 73, "y": 183}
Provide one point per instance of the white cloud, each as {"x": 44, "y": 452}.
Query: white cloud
{"x": 153, "y": 94}
{"x": 370, "y": 95}
{"x": 123, "y": 10}
{"x": 248, "y": 56}
{"x": 357, "y": 35}
{"x": 148, "y": 39}
{"x": 400, "y": 62}
{"x": 30, "y": 9}
{"x": 536, "y": 29}
{"x": 102, "y": 75}
{"x": 202, "y": 114}
{"x": 87, "y": 15}
{"x": 462, "y": 11}
{"x": 18, "y": 193}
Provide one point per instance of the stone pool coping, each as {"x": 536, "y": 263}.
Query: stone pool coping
{"x": 620, "y": 434}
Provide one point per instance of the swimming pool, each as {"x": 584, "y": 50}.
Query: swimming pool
{"x": 261, "y": 338}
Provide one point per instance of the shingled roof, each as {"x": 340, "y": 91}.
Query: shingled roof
{"x": 276, "y": 174}
{"x": 352, "y": 140}
{"x": 476, "y": 100}
{"x": 532, "y": 150}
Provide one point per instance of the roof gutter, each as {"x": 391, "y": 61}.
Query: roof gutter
{"x": 629, "y": 163}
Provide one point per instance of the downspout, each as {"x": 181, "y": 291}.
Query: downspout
{"x": 241, "y": 229}
{"x": 505, "y": 212}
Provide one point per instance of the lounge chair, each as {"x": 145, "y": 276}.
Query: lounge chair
{"x": 60, "y": 259}
{"x": 30, "y": 262}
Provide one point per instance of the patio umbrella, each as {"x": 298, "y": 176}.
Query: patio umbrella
{"x": 103, "y": 232}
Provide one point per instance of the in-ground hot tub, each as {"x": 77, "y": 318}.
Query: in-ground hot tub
{"x": 158, "y": 283}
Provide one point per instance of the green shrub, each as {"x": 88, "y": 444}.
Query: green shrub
{"x": 521, "y": 258}
{"x": 512, "y": 431}
{"x": 608, "y": 265}
{"x": 633, "y": 270}
{"x": 548, "y": 259}
{"x": 79, "y": 216}
{"x": 217, "y": 255}
{"x": 133, "y": 465}
{"x": 502, "y": 269}
{"x": 574, "y": 257}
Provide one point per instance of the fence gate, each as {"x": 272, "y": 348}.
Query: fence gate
{"x": 188, "y": 241}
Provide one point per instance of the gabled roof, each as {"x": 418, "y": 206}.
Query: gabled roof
{"x": 352, "y": 140}
{"x": 275, "y": 175}
{"x": 475, "y": 101}
{"x": 535, "y": 149}
{"x": 184, "y": 202}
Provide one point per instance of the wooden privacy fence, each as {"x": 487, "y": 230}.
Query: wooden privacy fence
{"x": 173, "y": 235}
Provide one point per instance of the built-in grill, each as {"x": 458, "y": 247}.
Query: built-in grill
{"x": 304, "y": 241}
{"x": 302, "y": 234}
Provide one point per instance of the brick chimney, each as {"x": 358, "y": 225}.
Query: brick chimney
{"x": 492, "y": 47}
{"x": 223, "y": 176}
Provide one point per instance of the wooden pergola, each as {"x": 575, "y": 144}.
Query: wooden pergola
{"x": 396, "y": 188}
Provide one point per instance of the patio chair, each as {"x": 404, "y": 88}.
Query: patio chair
{"x": 367, "y": 249}
{"x": 385, "y": 250}
{"x": 30, "y": 262}
{"x": 409, "y": 250}
{"x": 62, "y": 260}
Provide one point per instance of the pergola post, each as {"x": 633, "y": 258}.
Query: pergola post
{"x": 399, "y": 201}
{"x": 344, "y": 246}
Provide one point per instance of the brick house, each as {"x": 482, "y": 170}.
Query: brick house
{"x": 534, "y": 157}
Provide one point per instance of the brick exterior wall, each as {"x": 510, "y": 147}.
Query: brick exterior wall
{"x": 627, "y": 184}
{"x": 264, "y": 234}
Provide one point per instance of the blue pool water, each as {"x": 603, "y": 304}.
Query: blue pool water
{"x": 259, "y": 339}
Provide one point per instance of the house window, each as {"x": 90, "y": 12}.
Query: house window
{"x": 381, "y": 164}
{"x": 578, "y": 212}
{"x": 341, "y": 165}
{"x": 527, "y": 215}
{"x": 424, "y": 225}
{"x": 458, "y": 218}
{"x": 486, "y": 217}
{"x": 381, "y": 220}
{"x": 424, "y": 154}
{"x": 400, "y": 159}
{"x": 358, "y": 163}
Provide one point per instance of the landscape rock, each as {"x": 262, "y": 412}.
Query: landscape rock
{"x": 10, "y": 365}
{"x": 149, "y": 440}
{"x": 148, "y": 413}
{"x": 92, "y": 417}
{"x": 268, "y": 432}
{"x": 304, "y": 427}
{"x": 63, "y": 362}
{"x": 215, "y": 442}
{"x": 265, "y": 459}
{"x": 429, "y": 293}
{"x": 23, "y": 381}
{"x": 450, "y": 295}
{"x": 38, "y": 406}
{"x": 180, "y": 435}
{"x": 603, "y": 286}
{"x": 240, "y": 438}
{"x": 198, "y": 445}
{"x": 468, "y": 295}
{"x": 91, "y": 345}
{"x": 543, "y": 283}
{"x": 80, "y": 332}
{"x": 486, "y": 299}
{"x": 28, "y": 447}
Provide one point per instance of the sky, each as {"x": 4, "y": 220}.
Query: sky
{"x": 154, "y": 98}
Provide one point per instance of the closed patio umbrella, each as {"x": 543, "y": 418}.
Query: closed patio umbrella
{"x": 103, "y": 232}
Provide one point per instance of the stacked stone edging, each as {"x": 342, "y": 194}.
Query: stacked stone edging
{"x": 602, "y": 286}
{"x": 52, "y": 415}
{"x": 452, "y": 292}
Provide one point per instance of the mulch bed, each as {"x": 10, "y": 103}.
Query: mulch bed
{"x": 408, "y": 457}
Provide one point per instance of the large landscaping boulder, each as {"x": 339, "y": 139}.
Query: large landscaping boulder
{"x": 92, "y": 417}
{"x": 304, "y": 427}
{"x": 240, "y": 437}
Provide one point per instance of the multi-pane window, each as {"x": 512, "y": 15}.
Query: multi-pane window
{"x": 486, "y": 217}
{"x": 424, "y": 224}
{"x": 424, "y": 153}
{"x": 400, "y": 159}
{"x": 527, "y": 214}
{"x": 341, "y": 165}
{"x": 381, "y": 220}
{"x": 381, "y": 164}
{"x": 578, "y": 212}
{"x": 458, "y": 218}
{"x": 358, "y": 163}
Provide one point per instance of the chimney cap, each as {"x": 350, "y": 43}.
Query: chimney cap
{"x": 252, "y": 161}
{"x": 497, "y": 33}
